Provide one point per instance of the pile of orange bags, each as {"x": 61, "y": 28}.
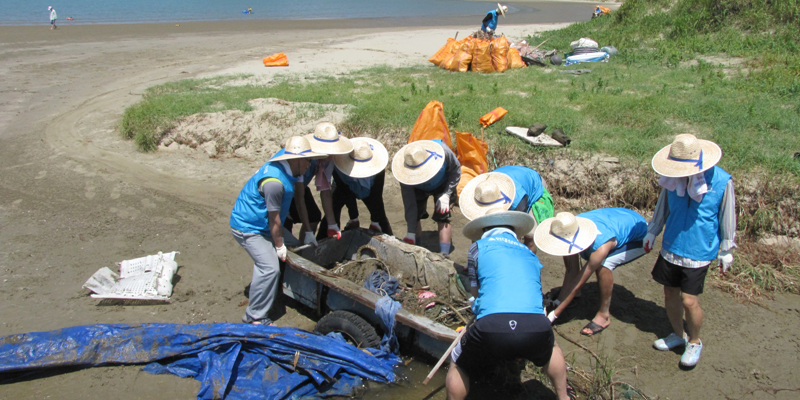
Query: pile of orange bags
{"x": 480, "y": 55}
{"x": 276, "y": 60}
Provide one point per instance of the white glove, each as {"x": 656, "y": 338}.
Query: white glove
{"x": 649, "y": 239}
{"x": 310, "y": 238}
{"x": 552, "y": 317}
{"x": 443, "y": 204}
{"x": 281, "y": 251}
{"x": 725, "y": 259}
{"x": 489, "y": 30}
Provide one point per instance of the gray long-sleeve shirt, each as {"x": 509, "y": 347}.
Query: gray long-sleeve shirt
{"x": 452, "y": 177}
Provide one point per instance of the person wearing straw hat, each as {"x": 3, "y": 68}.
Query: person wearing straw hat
{"x": 696, "y": 210}
{"x": 511, "y": 187}
{"x": 257, "y": 222}
{"x": 360, "y": 175}
{"x": 427, "y": 168}
{"x": 489, "y": 23}
{"x": 505, "y": 278}
{"x": 605, "y": 238}
{"x": 326, "y": 139}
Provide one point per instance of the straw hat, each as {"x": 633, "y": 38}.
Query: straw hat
{"x": 489, "y": 190}
{"x": 503, "y": 9}
{"x": 418, "y": 162}
{"x": 520, "y": 221}
{"x": 686, "y": 156}
{"x": 297, "y": 147}
{"x": 565, "y": 234}
{"x": 368, "y": 158}
{"x": 326, "y": 139}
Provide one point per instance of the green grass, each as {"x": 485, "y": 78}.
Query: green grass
{"x": 728, "y": 71}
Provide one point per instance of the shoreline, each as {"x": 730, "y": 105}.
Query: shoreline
{"x": 532, "y": 13}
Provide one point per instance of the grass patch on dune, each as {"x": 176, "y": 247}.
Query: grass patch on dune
{"x": 728, "y": 71}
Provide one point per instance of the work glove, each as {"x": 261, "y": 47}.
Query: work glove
{"x": 489, "y": 31}
{"x": 310, "y": 238}
{"x": 443, "y": 204}
{"x": 281, "y": 251}
{"x": 725, "y": 259}
{"x": 410, "y": 238}
{"x": 649, "y": 239}
{"x": 374, "y": 226}
{"x": 334, "y": 232}
{"x": 352, "y": 224}
{"x": 552, "y": 317}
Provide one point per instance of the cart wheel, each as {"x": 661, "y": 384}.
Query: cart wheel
{"x": 356, "y": 330}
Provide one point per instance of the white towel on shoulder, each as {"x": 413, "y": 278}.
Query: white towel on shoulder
{"x": 695, "y": 184}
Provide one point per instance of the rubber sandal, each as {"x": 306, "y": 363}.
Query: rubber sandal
{"x": 571, "y": 393}
{"x": 594, "y": 327}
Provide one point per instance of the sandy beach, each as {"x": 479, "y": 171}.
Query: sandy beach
{"x": 75, "y": 197}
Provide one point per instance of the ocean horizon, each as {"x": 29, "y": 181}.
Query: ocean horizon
{"x": 83, "y": 12}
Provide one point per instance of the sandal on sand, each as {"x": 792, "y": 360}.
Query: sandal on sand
{"x": 571, "y": 393}
{"x": 594, "y": 327}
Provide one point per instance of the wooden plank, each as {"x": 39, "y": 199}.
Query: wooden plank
{"x": 367, "y": 298}
{"x": 541, "y": 140}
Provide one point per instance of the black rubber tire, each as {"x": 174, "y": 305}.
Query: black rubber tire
{"x": 356, "y": 330}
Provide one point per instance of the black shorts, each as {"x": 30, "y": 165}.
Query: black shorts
{"x": 690, "y": 280}
{"x": 505, "y": 336}
{"x": 422, "y": 205}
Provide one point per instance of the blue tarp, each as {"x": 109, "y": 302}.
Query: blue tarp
{"x": 232, "y": 361}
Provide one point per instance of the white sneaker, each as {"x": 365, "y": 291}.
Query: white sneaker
{"x": 670, "y": 342}
{"x": 691, "y": 355}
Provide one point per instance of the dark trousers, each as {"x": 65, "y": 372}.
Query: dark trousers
{"x": 343, "y": 196}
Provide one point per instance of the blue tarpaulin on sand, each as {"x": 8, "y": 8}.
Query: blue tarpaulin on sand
{"x": 231, "y": 361}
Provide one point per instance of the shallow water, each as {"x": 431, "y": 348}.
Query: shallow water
{"x": 25, "y": 12}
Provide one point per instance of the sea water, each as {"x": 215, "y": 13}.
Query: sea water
{"x": 27, "y": 12}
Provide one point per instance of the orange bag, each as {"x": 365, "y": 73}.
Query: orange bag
{"x": 493, "y": 116}
{"x": 472, "y": 155}
{"x": 461, "y": 57}
{"x": 431, "y": 124}
{"x": 482, "y": 56}
{"x": 500, "y": 48}
{"x": 514, "y": 59}
{"x": 447, "y": 50}
{"x": 276, "y": 60}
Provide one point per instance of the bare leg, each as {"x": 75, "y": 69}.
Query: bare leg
{"x": 556, "y": 369}
{"x": 572, "y": 275}
{"x": 674, "y": 305}
{"x": 457, "y": 383}
{"x": 694, "y": 316}
{"x": 605, "y": 278}
{"x": 445, "y": 232}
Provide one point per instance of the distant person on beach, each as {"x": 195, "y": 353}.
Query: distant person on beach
{"x": 505, "y": 278}
{"x": 53, "y": 17}
{"x": 489, "y": 23}
{"x": 697, "y": 211}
